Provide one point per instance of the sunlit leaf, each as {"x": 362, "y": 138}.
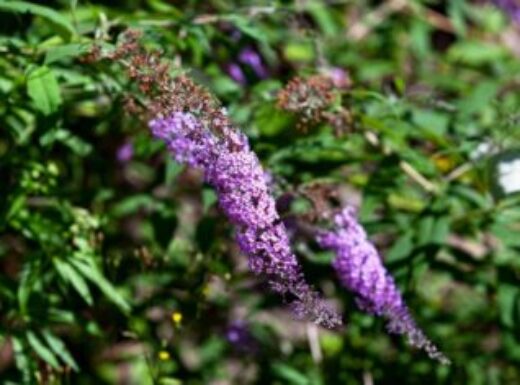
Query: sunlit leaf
{"x": 44, "y": 90}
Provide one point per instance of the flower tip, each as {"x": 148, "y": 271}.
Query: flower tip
{"x": 311, "y": 307}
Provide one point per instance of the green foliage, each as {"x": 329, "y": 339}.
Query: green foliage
{"x": 124, "y": 271}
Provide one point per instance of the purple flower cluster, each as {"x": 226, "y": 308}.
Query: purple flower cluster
{"x": 511, "y": 7}
{"x": 360, "y": 269}
{"x": 235, "y": 172}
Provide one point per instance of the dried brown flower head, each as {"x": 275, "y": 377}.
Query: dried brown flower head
{"x": 313, "y": 99}
{"x": 308, "y": 97}
{"x": 160, "y": 91}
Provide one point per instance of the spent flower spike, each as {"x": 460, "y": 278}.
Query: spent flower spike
{"x": 360, "y": 269}
{"x": 233, "y": 169}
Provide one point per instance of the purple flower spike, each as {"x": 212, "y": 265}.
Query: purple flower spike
{"x": 235, "y": 172}
{"x": 250, "y": 57}
{"x": 360, "y": 269}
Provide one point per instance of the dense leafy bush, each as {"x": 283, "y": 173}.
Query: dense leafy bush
{"x": 117, "y": 265}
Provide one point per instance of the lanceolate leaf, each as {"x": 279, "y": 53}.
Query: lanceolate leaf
{"x": 70, "y": 274}
{"x": 58, "y": 347}
{"x": 29, "y": 279}
{"x": 41, "y": 350}
{"x": 22, "y": 360}
{"x": 67, "y": 51}
{"x": 90, "y": 271}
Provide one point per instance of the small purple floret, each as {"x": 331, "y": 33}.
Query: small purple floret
{"x": 233, "y": 169}
{"x": 125, "y": 152}
{"x": 360, "y": 269}
{"x": 239, "y": 336}
{"x": 251, "y": 58}
{"x": 236, "y": 73}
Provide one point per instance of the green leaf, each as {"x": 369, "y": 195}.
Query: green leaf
{"x": 271, "y": 121}
{"x": 134, "y": 203}
{"x": 62, "y": 24}
{"x": 43, "y": 89}
{"x": 67, "y": 51}
{"x": 291, "y": 375}
{"x": 22, "y": 360}
{"x": 164, "y": 7}
{"x": 473, "y": 196}
{"x": 508, "y": 295}
{"x": 41, "y": 350}
{"x": 28, "y": 279}
{"x": 321, "y": 13}
{"x": 434, "y": 123}
{"x": 299, "y": 51}
{"x": 440, "y": 230}
{"x": 480, "y": 96}
{"x": 75, "y": 143}
{"x": 506, "y": 233}
{"x": 60, "y": 349}
{"x": 209, "y": 198}
{"x": 244, "y": 25}
{"x": 401, "y": 249}
{"x": 456, "y": 13}
{"x": 90, "y": 271}
{"x": 476, "y": 52}
{"x": 62, "y": 316}
{"x": 16, "y": 204}
{"x": 21, "y": 123}
{"x": 69, "y": 274}
{"x": 425, "y": 230}
{"x": 169, "y": 381}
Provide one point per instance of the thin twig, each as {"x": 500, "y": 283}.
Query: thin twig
{"x": 314, "y": 342}
{"x": 367, "y": 378}
{"x": 417, "y": 177}
{"x": 459, "y": 171}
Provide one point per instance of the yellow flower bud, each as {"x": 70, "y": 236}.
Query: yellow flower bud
{"x": 164, "y": 355}
{"x": 177, "y": 317}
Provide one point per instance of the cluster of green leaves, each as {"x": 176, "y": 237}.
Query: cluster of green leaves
{"x": 111, "y": 268}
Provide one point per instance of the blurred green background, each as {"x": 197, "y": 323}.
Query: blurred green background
{"x": 116, "y": 265}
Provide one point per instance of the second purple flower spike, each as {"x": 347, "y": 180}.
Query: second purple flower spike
{"x": 360, "y": 269}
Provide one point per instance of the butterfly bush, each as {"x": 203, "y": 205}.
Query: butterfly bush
{"x": 233, "y": 169}
{"x": 360, "y": 269}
